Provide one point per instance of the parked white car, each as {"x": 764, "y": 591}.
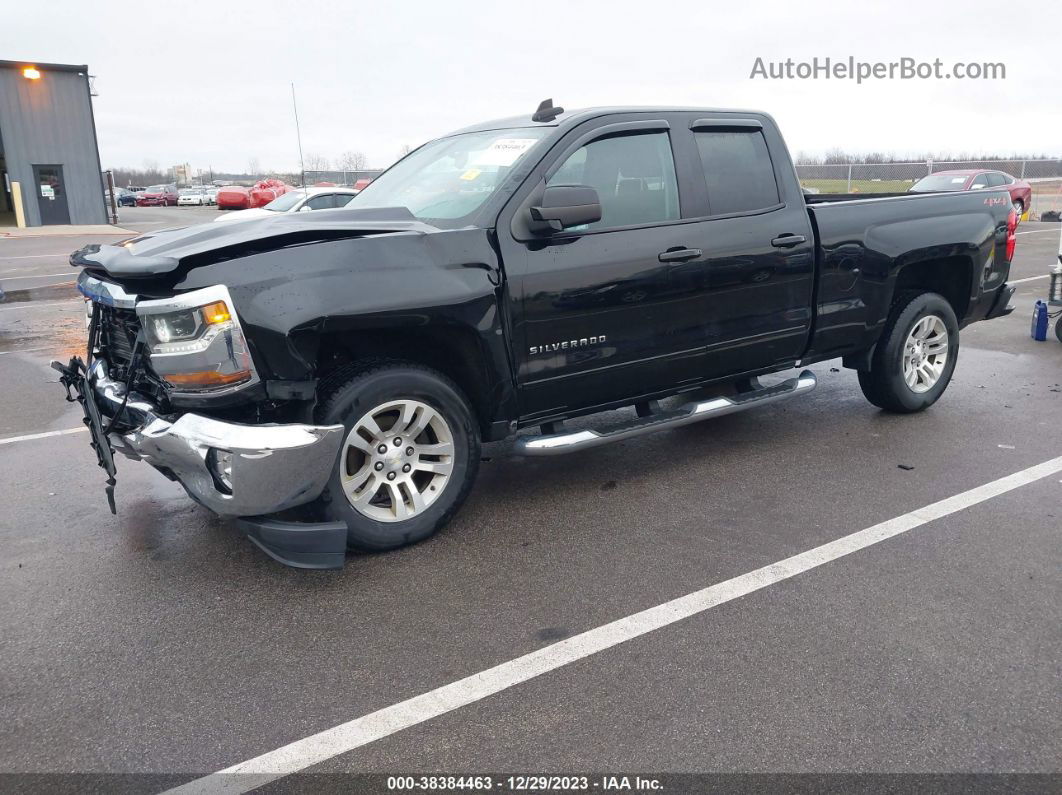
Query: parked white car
{"x": 192, "y": 196}
{"x": 210, "y": 195}
{"x": 300, "y": 200}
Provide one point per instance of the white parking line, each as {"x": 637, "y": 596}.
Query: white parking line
{"x": 36, "y": 275}
{"x": 1036, "y": 231}
{"x": 23, "y": 350}
{"x": 345, "y": 737}
{"x": 34, "y": 305}
{"x": 1030, "y": 279}
{"x": 45, "y": 435}
{"x": 34, "y": 256}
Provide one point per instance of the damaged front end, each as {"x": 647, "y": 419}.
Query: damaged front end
{"x": 193, "y": 344}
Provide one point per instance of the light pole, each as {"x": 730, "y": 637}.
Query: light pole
{"x": 298, "y": 136}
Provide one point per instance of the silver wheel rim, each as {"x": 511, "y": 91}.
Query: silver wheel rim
{"x": 397, "y": 460}
{"x": 925, "y": 353}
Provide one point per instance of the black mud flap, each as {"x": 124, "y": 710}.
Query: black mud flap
{"x": 1001, "y": 306}
{"x": 319, "y": 545}
{"x": 72, "y": 376}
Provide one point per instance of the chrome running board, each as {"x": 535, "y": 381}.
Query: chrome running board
{"x": 557, "y": 443}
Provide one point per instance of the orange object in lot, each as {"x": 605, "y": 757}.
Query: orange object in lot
{"x": 266, "y": 190}
{"x": 234, "y": 197}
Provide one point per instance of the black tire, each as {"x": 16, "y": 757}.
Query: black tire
{"x": 884, "y": 384}
{"x": 351, "y": 391}
{"x": 1058, "y": 329}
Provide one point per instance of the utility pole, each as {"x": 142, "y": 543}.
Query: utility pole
{"x": 110, "y": 192}
{"x": 298, "y": 135}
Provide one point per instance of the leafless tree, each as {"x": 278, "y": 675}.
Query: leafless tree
{"x": 253, "y": 166}
{"x": 352, "y": 161}
{"x": 405, "y": 150}
{"x": 316, "y": 162}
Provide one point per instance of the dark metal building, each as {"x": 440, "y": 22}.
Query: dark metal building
{"x": 48, "y": 150}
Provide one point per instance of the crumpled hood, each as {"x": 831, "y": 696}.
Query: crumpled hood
{"x": 161, "y": 251}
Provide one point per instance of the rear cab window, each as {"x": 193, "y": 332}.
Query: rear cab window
{"x": 738, "y": 170}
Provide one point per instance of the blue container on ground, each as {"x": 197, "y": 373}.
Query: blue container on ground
{"x": 1039, "y": 321}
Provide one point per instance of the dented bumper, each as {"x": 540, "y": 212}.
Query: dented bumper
{"x": 231, "y": 468}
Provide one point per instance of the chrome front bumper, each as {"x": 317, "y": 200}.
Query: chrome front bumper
{"x": 274, "y": 467}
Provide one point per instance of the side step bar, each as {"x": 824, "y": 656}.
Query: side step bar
{"x": 557, "y": 443}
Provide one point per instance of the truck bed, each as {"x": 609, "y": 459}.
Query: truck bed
{"x": 866, "y": 239}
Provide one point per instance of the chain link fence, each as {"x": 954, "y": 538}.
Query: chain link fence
{"x": 340, "y": 177}
{"x": 1045, "y": 177}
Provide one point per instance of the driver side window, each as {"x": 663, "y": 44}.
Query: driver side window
{"x": 980, "y": 181}
{"x": 633, "y": 174}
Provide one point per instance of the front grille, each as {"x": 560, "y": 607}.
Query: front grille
{"x": 117, "y": 338}
{"x": 118, "y": 330}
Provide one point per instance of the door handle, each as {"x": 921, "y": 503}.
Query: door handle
{"x": 679, "y": 254}
{"x": 788, "y": 241}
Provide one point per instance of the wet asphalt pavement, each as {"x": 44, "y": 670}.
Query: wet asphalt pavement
{"x": 161, "y": 641}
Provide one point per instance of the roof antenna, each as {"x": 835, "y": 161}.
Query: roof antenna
{"x": 546, "y": 111}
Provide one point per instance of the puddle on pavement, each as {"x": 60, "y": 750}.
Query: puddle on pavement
{"x": 59, "y": 332}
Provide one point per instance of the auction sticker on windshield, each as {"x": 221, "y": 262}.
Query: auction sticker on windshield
{"x": 504, "y": 151}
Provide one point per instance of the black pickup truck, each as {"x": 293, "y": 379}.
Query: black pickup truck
{"x": 329, "y": 376}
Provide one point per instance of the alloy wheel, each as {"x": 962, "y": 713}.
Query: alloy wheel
{"x": 397, "y": 460}
{"x": 925, "y": 353}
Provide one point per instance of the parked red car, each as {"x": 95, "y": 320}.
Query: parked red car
{"x": 233, "y": 197}
{"x": 157, "y": 196}
{"x": 978, "y": 179}
{"x": 264, "y": 191}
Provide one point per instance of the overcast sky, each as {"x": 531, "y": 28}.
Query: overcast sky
{"x": 209, "y": 83}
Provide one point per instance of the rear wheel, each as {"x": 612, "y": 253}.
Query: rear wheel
{"x": 410, "y": 455}
{"x": 916, "y": 355}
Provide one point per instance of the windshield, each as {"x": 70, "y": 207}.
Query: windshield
{"x": 156, "y": 189}
{"x": 940, "y": 182}
{"x": 281, "y": 204}
{"x": 450, "y": 178}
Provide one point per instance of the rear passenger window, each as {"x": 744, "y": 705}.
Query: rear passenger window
{"x": 995, "y": 179}
{"x": 634, "y": 176}
{"x": 738, "y": 170}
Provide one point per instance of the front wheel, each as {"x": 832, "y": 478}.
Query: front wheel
{"x": 916, "y": 355}
{"x": 410, "y": 455}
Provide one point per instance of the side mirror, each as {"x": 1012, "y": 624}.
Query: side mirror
{"x": 565, "y": 206}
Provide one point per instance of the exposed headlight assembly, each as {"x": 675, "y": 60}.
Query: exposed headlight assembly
{"x": 195, "y": 341}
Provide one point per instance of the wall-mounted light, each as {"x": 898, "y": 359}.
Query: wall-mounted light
{"x": 31, "y": 73}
